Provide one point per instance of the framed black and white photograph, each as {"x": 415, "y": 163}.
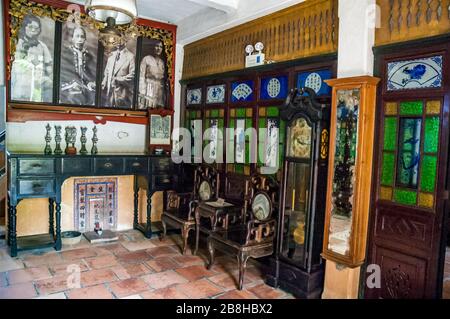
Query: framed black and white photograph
{"x": 78, "y": 65}
{"x": 154, "y": 88}
{"x": 119, "y": 71}
{"x": 32, "y": 69}
{"x": 160, "y": 128}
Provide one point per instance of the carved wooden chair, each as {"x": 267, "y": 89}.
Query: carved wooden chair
{"x": 180, "y": 207}
{"x": 254, "y": 237}
{"x": 236, "y": 192}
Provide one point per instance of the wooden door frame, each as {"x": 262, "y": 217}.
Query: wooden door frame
{"x": 405, "y": 51}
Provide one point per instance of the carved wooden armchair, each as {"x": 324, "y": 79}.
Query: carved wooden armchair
{"x": 255, "y": 236}
{"x": 180, "y": 207}
{"x": 211, "y": 216}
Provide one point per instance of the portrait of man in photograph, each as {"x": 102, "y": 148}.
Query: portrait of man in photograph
{"x": 32, "y": 70}
{"x": 78, "y": 65}
{"x": 153, "y": 80}
{"x": 118, "y": 76}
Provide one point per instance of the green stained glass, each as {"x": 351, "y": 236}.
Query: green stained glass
{"x": 405, "y": 197}
{"x": 248, "y": 123}
{"x": 221, "y": 123}
{"x": 428, "y": 176}
{"x": 273, "y": 111}
{"x": 240, "y": 113}
{"x": 390, "y": 133}
{"x": 247, "y": 152}
{"x": 232, "y": 124}
{"x": 431, "y": 135}
{"x": 282, "y": 131}
{"x": 239, "y": 168}
{"x": 387, "y": 173}
{"x": 193, "y": 114}
{"x": 262, "y": 123}
{"x": 214, "y": 113}
{"x": 411, "y": 108}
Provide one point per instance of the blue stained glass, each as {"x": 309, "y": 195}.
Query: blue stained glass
{"x": 242, "y": 91}
{"x": 315, "y": 81}
{"x": 274, "y": 88}
{"x": 409, "y": 152}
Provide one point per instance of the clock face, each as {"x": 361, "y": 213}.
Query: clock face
{"x": 261, "y": 207}
{"x": 300, "y": 139}
{"x": 205, "y": 191}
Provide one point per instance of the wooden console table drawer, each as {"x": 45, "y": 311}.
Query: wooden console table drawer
{"x": 36, "y": 187}
{"x": 36, "y": 167}
{"x": 162, "y": 181}
{"x": 136, "y": 165}
{"x": 76, "y": 166}
{"x": 109, "y": 166}
{"x": 161, "y": 165}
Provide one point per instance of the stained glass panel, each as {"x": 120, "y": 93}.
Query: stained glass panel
{"x": 386, "y": 193}
{"x": 390, "y": 108}
{"x": 409, "y": 152}
{"x": 431, "y": 135}
{"x": 387, "y": 174}
{"x": 434, "y": 107}
{"x": 390, "y": 133}
{"x": 405, "y": 197}
{"x": 426, "y": 200}
{"x": 428, "y": 177}
{"x": 411, "y": 108}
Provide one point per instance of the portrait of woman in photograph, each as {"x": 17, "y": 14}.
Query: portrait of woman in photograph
{"x": 78, "y": 66}
{"x": 153, "y": 83}
{"x": 32, "y": 70}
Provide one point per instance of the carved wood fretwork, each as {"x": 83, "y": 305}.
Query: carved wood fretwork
{"x": 404, "y": 20}
{"x": 303, "y": 30}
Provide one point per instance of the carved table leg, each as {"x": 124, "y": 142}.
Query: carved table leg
{"x": 9, "y": 222}
{"x": 13, "y": 241}
{"x": 197, "y": 230}
{"x": 58, "y": 243}
{"x": 164, "y": 225}
{"x": 136, "y": 203}
{"x": 242, "y": 262}
{"x": 185, "y": 236}
{"x": 211, "y": 252}
{"x": 148, "y": 228}
{"x": 51, "y": 213}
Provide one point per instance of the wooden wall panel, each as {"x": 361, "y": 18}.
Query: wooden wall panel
{"x": 307, "y": 29}
{"x": 404, "y": 20}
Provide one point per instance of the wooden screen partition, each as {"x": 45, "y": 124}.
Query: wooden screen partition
{"x": 304, "y": 30}
{"x": 412, "y": 19}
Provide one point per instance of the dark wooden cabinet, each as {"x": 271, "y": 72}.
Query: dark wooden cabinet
{"x": 297, "y": 265}
{"x": 41, "y": 176}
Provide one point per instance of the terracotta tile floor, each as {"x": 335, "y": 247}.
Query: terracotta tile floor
{"x": 133, "y": 267}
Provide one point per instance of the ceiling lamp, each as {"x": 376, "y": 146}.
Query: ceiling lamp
{"x": 121, "y": 12}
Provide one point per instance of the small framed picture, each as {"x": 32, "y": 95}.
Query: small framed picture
{"x": 160, "y": 128}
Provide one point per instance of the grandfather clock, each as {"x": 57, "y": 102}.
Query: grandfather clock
{"x": 297, "y": 266}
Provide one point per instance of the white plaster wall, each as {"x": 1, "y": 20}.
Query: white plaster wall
{"x": 114, "y": 137}
{"x": 178, "y": 74}
{"x": 356, "y": 37}
{"x": 207, "y": 22}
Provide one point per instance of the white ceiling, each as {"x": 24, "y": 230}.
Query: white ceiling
{"x": 197, "y": 19}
